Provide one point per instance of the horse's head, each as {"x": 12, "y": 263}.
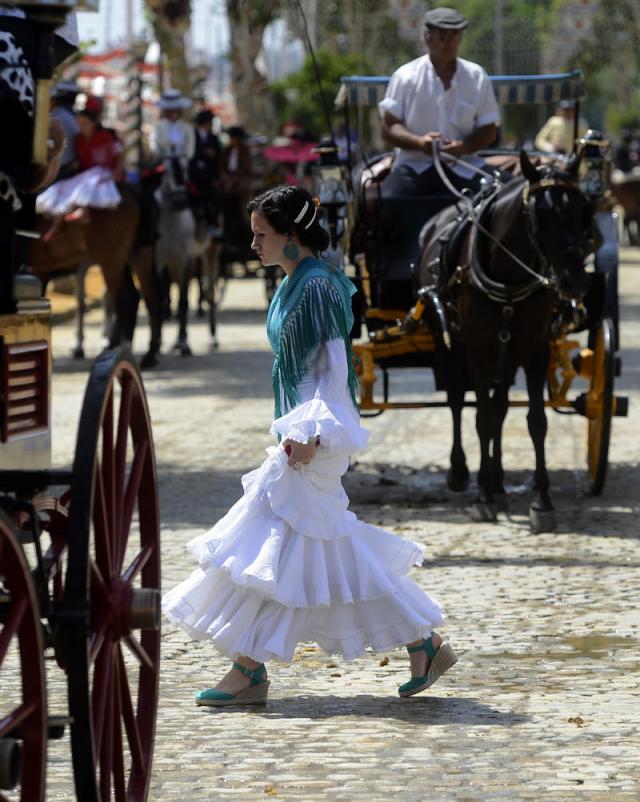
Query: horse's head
{"x": 561, "y": 222}
{"x": 174, "y": 187}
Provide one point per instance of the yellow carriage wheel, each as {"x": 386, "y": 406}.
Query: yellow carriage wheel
{"x": 600, "y": 406}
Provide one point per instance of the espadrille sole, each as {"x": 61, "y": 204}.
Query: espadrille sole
{"x": 444, "y": 659}
{"x": 253, "y": 695}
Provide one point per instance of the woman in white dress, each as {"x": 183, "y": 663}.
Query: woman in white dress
{"x": 289, "y": 562}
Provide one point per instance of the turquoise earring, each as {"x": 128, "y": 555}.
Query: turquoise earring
{"x": 291, "y": 250}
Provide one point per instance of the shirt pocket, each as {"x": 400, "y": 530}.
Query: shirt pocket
{"x": 464, "y": 117}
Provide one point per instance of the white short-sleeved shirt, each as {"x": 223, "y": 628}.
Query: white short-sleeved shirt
{"x": 416, "y": 95}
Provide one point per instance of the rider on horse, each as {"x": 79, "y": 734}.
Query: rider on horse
{"x": 99, "y": 158}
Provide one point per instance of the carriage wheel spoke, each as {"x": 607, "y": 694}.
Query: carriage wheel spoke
{"x": 120, "y": 467}
{"x": 130, "y": 721}
{"x": 139, "y": 652}
{"x": 16, "y": 718}
{"x": 108, "y": 458}
{"x": 100, "y": 601}
{"x": 11, "y": 625}
{"x": 102, "y": 528}
{"x": 130, "y": 498}
{"x": 106, "y": 735}
{"x": 118, "y": 758}
{"x": 101, "y": 682}
{"x": 137, "y": 564}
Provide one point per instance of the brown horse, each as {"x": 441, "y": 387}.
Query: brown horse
{"x": 519, "y": 253}
{"x": 115, "y": 240}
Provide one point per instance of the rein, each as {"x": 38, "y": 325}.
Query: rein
{"x": 495, "y": 290}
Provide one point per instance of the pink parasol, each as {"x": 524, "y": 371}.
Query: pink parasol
{"x": 292, "y": 153}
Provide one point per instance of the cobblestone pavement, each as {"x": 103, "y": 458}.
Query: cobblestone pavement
{"x": 544, "y": 703}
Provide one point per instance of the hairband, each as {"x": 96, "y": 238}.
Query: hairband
{"x": 303, "y": 211}
{"x": 312, "y": 219}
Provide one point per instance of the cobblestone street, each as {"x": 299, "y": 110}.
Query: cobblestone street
{"x": 544, "y": 703}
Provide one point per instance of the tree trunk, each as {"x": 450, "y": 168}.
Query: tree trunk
{"x": 254, "y": 102}
{"x": 171, "y": 20}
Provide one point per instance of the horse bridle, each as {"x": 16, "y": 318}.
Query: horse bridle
{"x": 533, "y": 226}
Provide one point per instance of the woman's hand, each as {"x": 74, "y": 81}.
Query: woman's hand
{"x": 300, "y": 453}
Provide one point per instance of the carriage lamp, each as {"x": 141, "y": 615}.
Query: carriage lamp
{"x": 595, "y": 167}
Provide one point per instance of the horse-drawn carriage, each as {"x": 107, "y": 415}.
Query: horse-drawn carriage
{"x": 418, "y": 294}
{"x": 79, "y": 548}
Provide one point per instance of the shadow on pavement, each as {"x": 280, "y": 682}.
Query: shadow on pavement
{"x": 431, "y": 710}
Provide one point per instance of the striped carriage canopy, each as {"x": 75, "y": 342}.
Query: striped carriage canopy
{"x": 368, "y": 90}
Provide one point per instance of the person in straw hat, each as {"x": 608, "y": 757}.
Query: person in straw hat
{"x": 173, "y": 135}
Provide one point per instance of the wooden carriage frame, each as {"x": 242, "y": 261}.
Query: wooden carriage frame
{"x": 79, "y": 547}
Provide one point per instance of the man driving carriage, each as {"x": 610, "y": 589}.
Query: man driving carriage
{"x": 437, "y": 97}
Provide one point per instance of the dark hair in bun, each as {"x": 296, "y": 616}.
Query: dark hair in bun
{"x": 292, "y": 210}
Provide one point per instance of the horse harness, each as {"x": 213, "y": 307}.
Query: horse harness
{"x": 463, "y": 239}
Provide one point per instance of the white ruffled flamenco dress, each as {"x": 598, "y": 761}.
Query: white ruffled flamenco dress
{"x": 289, "y": 562}
{"x": 94, "y": 188}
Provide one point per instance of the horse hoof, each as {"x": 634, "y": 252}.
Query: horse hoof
{"x": 214, "y": 343}
{"x": 149, "y": 360}
{"x": 185, "y": 350}
{"x": 78, "y": 352}
{"x": 200, "y": 312}
{"x": 542, "y": 520}
{"x": 457, "y": 483}
{"x": 484, "y": 511}
{"x": 502, "y": 501}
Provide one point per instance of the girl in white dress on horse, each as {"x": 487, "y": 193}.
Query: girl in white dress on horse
{"x": 289, "y": 562}
{"x": 100, "y": 164}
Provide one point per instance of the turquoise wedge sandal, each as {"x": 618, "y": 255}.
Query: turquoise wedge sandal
{"x": 255, "y": 694}
{"x": 440, "y": 660}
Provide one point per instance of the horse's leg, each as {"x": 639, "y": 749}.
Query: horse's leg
{"x": 541, "y": 512}
{"x": 144, "y": 269}
{"x": 126, "y": 305}
{"x": 212, "y": 262}
{"x": 485, "y": 505}
{"x": 182, "y": 344}
{"x": 80, "y": 278}
{"x": 458, "y": 474}
{"x": 500, "y": 402}
{"x": 200, "y": 276}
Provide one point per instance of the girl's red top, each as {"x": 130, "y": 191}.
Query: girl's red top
{"x": 100, "y": 150}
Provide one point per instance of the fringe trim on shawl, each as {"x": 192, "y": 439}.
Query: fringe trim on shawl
{"x": 317, "y": 317}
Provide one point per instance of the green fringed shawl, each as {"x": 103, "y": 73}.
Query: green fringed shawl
{"x": 310, "y": 307}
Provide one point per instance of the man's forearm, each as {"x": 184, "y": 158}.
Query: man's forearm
{"x": 396, "y": 133}
{"x": 480, "y": 138}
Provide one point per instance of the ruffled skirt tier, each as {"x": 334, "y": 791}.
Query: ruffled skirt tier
{"x": 93, "y": 188}
{"x": 289, "y": 563}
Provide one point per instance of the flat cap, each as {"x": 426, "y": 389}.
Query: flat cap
{"x": 447, "y": 18}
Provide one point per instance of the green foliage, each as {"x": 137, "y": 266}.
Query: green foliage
{"x": 297, "y": 97}
{"x": 523, "y": 24}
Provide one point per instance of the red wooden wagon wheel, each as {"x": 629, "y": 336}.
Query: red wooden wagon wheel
{"x": 111, "y": 621}
{"x": 23, "y": 711}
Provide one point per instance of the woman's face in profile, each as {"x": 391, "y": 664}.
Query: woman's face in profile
{"x": 267, "y": 242}
{"x": 86, "y": 125}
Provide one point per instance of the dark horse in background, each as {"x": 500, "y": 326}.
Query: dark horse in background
{"x": 500, "y": 313}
